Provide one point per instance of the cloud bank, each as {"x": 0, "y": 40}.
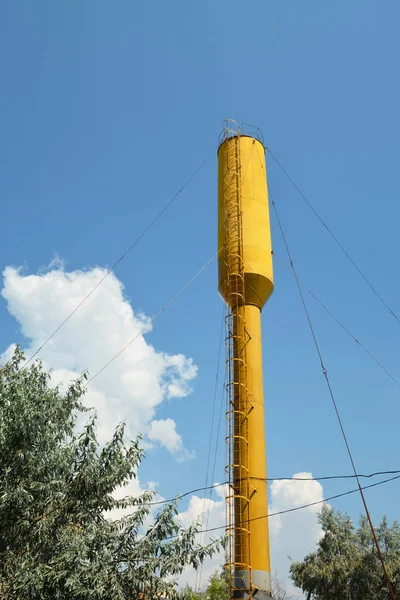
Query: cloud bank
{"x": 133, "y": 387}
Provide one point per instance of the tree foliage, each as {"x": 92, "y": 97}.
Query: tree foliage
{"x": 346, "y": 565}
{"x": 217, "y": 589}
{"x": 57, "y": 541}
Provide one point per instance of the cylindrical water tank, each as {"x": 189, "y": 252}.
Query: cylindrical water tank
{"x": 242, "y": 175}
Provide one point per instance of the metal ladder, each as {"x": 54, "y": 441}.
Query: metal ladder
{"x": 238, "y": 402}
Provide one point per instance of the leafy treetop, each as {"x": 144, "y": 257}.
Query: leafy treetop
{"x": 57, "y": 540}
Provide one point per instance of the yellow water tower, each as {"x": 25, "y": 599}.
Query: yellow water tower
{"x": 245, "y": 281}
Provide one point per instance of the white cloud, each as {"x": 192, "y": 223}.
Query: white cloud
{"x": 164, "y": 431}
{"x": 136, "y": 383}
{"x": 293, "y": 534}
{"x": 210, "y": 513}
{"x": 181, "y": 371}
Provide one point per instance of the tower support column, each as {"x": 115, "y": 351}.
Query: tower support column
{"x": 257, "y": 553}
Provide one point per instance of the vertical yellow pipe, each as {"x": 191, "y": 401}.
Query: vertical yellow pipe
{"x": 259, "y": 536}
{"x": 245, "y": 283}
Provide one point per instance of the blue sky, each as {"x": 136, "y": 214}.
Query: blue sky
{"x": 105, "y": 111}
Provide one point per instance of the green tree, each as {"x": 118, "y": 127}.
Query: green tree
{"x": 56, "y": 488}
{"x": 218, "y": 588}
{"x": 346, "y": 565}
{"x": 189, "y": 594}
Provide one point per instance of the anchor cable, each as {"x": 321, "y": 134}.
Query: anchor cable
{"x": 328, "y": 383}
{"x": 333, "y": 236}
{"x": 123, "y": 255}
{"x": 151, "y": 321}
{"x": 326, "y": 309}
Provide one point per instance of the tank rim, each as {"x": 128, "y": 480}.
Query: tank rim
{"x": 242, "y": 135}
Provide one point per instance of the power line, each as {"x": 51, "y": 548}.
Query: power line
{"x": 163, "y": 309}
{"x": 219, "y": 425}
{"x": 123, "y": 255}
{"x": 380, "y": 365}
{"x": 217, "y": 439}
{"x": 283, "y": 512}
{"x": 303, "y": 506}
{"x": 324, "y": 478}
{"x": 343, "y": 249}
{"x": 199, "y": 574}
{"x": 335, "y": 406}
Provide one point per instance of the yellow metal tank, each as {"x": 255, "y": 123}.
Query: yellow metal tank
{"x": 256, "y": 234}
{"x": 245, "y": 281}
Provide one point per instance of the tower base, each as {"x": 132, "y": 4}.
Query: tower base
{"x": 261, "y": 585}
